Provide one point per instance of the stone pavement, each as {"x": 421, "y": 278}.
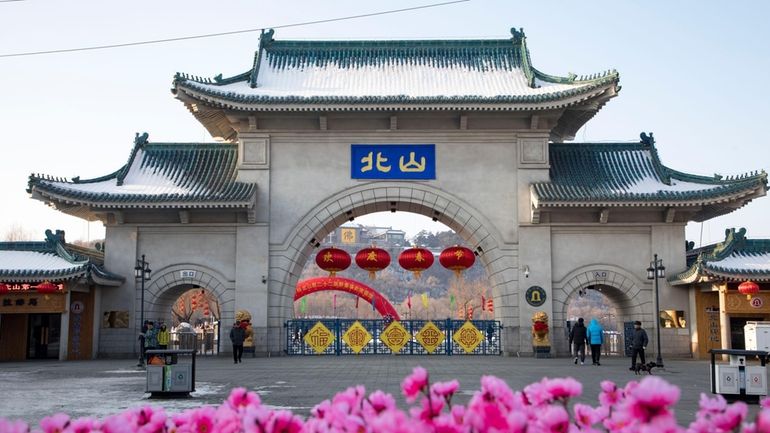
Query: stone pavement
{"x": 34, "y": 389}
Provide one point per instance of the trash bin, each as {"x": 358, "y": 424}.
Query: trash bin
{"x": 737, "y": 379}
{"x": 168, "y": 378}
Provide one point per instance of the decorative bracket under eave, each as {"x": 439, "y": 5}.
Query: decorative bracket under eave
{"x": 670, "y": 214}
{"x": 604, "y": 215}
{"x": 251, "y": 215}
{"x": 535, "y": 215}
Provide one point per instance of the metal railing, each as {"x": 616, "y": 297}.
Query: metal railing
{"x": 297, "y": 329}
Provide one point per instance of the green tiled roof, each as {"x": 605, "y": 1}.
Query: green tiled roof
{"x": 735, "y": 259}
{"x": 50, "y": 260}
{"x": 617, "y": 174}
{"x": 496, "y": 71}
{"x": 160, "y": 175}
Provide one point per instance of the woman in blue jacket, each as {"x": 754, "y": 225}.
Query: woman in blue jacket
{"x": 595, "y": 337}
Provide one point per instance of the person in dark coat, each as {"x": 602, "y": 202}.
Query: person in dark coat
{"x": 237, "y": 335}
{"x": 578, "y": 339}
{"x": 639, "y": 342}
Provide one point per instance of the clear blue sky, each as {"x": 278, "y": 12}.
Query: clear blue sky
{"x": 692, "y": 72}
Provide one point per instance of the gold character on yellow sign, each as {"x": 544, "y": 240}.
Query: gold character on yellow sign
{"x": 412, "y": 166}
{"x": 369, "y": 162}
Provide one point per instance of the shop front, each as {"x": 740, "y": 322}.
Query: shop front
{"x": 47, "y": 299}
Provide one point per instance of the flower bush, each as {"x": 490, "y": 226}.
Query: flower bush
{"x": 646, "y": 406}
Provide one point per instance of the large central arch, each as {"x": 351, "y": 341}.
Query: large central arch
{"x": 368, "y": 294}
{"x": 288, "y": 259}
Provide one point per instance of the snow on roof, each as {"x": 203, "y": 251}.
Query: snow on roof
{"x": 743, "y": 261}
{"x": 388, "y": 79}
{"x": 33, "y": 261}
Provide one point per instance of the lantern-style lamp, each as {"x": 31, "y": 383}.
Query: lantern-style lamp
{"x": 748, "y": 288}
{"x": 372, "y": 259}
{"x": 46, "y": 287}
{"x": 332, "y": 260}
{"x": 457, "y": 259}
{"x": 416, "y": 260}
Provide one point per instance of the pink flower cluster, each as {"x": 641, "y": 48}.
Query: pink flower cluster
{"x": 543, "y": 407}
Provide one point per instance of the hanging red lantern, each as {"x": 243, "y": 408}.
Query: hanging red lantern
{"x": 46, "y": 287}
{"x": 4, "y": 288}
{"x": 416, "y": 260}
{"x": 332, "y": 260}
{"x": 372, "y": 260}
{"x": 457, "y": 259}
{"x": 748, "y": 288}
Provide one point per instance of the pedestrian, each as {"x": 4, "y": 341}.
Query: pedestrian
{"x": 151, "y": 337}
{"x": 595, "y": 335}
{"x": 142, "y": 343}
{"x": 237, "y": 335}
{"x": 639, "y": 342}
{"x": 163, "y": 337}
{"x": 578, "y": 339}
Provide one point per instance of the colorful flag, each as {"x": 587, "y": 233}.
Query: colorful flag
{"x": 357, "y": 298}
{"x": 425, "y": 300}
{"x": 470, "y": 312}
{"x": 374, "y": 303}
{"x": 451, "y": 300}
{"x": 303, "y": 305}
{"x": 409, "y": 300}
{"x": 490, "y": 305}
{"x": 460, "y": 312}
{"x": 483, "y": 303}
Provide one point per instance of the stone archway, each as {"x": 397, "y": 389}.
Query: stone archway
{"x": 631, "y": 297}
{"x": 288, "y": 259}
{"x": 169, "y": 283}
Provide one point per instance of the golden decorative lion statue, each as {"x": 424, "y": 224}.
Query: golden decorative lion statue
{"x": 244, "y": 317}
{"x": 540, "y": 329}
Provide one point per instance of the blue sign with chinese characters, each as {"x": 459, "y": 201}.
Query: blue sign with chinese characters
{"x": 393, "y": 161}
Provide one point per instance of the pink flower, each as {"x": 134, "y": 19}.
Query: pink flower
{"x": 586, "y": 416}
{"x": 651, "y": 399}
{"x": 561, "y": 389}
{"x": 17, "y": 426}
{"x": 553, "y": 419}
{"x": 83, "y": 425}
{"x": 414, "y": 384}
{"x": 445, "y": 389}
{"x": 202, "y": 420}
{"x": 732, "y": 417}
{"x": 610, "y": 395}
{"x": 429, "y": 409}
{"x": 763, "y": 421}
{"x": 227, "y": 419}
{"x": 378, "y": 402}
{"x": 283, "y": 421}
{"x": 240, "y": 398}
{"x": 493, "y": 388}
{"x": 55, "y": 424}
{"x": 711, "y": 405}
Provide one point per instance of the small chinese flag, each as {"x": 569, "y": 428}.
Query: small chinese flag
{"x": 490, "y": 305}
{"x": 470, "y": 312}
{"x": 409, "y": 300}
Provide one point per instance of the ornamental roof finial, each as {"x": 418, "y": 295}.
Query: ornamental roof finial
{"x": 518, "y": 35}
{"x": 141, "y": 140}
{"x": 647, "y": 140}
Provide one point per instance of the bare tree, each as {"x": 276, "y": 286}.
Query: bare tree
{"x": 17, "y": 232}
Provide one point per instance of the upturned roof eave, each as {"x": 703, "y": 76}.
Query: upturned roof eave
{"x": 139, "y": 203}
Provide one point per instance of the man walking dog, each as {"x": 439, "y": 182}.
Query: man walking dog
{"x": 639, "y": 342}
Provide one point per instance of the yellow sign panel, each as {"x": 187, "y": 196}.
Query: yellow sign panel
{"x": 468, "y": 337}
{"x": 395, "y": 336}
{"x": 348, "y": 236}
{"x": 357, "y": 337}
{"x": 430, "y": 337}
{"x": 319, "y": 337}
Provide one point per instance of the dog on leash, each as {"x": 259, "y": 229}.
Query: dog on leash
{"x": 641, "y": 368}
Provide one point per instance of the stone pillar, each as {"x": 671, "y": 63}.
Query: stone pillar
{"x": 724, "y": 319}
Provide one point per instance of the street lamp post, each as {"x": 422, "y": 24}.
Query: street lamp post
{"x": 655, "y": 271}
{"x": 142, "y": 273}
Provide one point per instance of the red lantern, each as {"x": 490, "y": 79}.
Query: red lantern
{"x": 416, "y": 260}
{"x": 4, "y": 289}
{"x": 748, "y": 288}
{"x": 46, "y": 287}
{"x": 457, "y": 259}
{"x": 372, "y": 260}
{"x": 332, "y": 260}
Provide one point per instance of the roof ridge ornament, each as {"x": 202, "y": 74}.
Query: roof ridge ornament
{"x": 647, "y": 140}
{"x": 141, "y": 140}
{"x": 517, "y": 35}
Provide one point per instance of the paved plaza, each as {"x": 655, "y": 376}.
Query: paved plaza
{"x": 32, "y": 390}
